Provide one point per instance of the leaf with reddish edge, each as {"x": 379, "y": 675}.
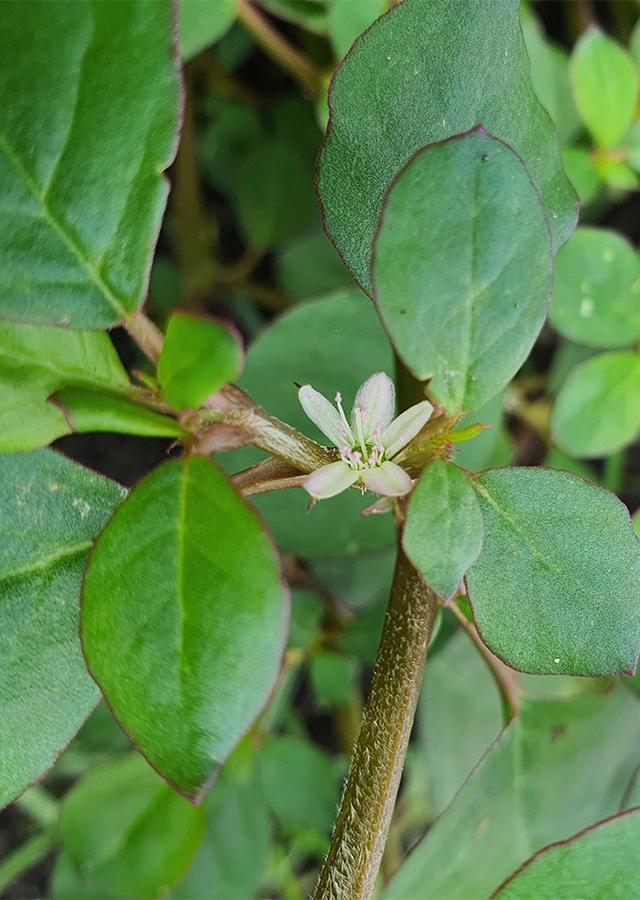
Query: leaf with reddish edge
{"x": 184, "y": 619}
{"x": 462, "y": 267}
{"x": 51, "y": 509}
{"x": 556, "y": 587}
{"x": 88, "y": 122}
{"x": 598, "y": 863}
{"x": 426, "y": 70}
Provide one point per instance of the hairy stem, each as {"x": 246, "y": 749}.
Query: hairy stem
{"x": 360, "y": 832}
{"x": 146, "y": 335}
{"x": 278, "y": 48}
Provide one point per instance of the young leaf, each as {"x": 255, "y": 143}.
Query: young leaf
{"x": 202, "y": 23}
{"x": 443, "y": 531}
{"x": 88, "y": 115}
{"x": 92, "y": 411}
{"x": 534, "y": 786}
{"x": 471, "y": 57}
{"x": 599, "y": 862}
{"x": 308, "y": 345}
{"x": 604, "y": 86}
{"x": 51, "y": 509}
{"x": 127, "y": 832}
{"x": 596, "y": 289}
{"x": 198, "y": 357}
{"x": 35, "y": 362}
{"x": 556, "y": 585}
{"x": 597, "y": 410}
{"x": 582, "y": 173}
{"x": 462, "y": 267}
{"x": 183, "y": 619}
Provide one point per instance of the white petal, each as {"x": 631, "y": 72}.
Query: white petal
{"x": 388, "y": 479}
{"x": 323, "y": 414}
{"x": 382, "y": 505}
{"x": 377, "y": 398}
{"x": 330, "y": 480}
{"x": 406, "y": 427}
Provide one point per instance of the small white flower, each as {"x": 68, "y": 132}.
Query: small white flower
{"x": 368, "y": 443}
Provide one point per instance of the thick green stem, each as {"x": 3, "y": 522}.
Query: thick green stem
{"x": 360, "y": 832}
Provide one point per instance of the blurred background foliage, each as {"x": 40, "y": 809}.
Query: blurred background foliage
{"x": 242, "y": 239}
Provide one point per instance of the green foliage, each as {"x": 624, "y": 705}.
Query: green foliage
{"x": 85, "y": 410}
{"x": 605, "y": 86}
{"x": 536, "y": 785}
{"x": 382, "y": 114}
{"x": 596, "y": 864}
{"x": 184, "y": 557}
{"x": 34, "y": 363}
{"x": 467, "y": 326}
{"x": 596, "y": 290}
{"x": 203, "y": 22}
{"x": 51, "y": 510}
{"x": 88, "y": 122}
{"x": 198, "y": 357}
{"x": 126, "y": 832}
{"x": 443, "y": 532}
{"x": 567, "y": 600}
{"x": 597, "y": 409}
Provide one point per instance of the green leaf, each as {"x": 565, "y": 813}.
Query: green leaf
{"x": 92, "y": 411}
{"x": 472, "y": 455}
{"x": 299, "y": 782}
{"x": 35, "y": 362}
{"x": 198, "y": 357}
{"x": 127, "y": 832}
{"x": 443, "y": 529}
{"x": 332, "y": 676}
{"x": 565, "y": 358}
{"x": 604, "y": 86}
{"x": 202, "y": 23}
{"x": 333, "y": 344}
{"x": 307, "y": 611}
{"x": 567, "y": 600}
{"x": 618, "y": 175}
{"x": 51, "y": 509}
{"x": 311, "y": 14}
{"x": 597, "y": 410}
{"x": 89, "y": 109}
{"x": 558, "y": 766}
{"x": 459, "y": 696}
{"x": 348, "y": 19}
{"x": 310, "y": 267}
{"x": 427, "y": 70}
{"x": 596, "y": 289}
{"x": 184, "y": 618}
{"x": 465, "y": 313}
{"x": 595, "y": 864}
{"x": 582, "y": 173}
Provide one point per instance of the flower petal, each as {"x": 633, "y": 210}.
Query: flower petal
{"x": 406, "y": 427}
{"x": 382, "y": 505}
{"x": 330, "y": 480}
{"x": 323, "y": 414}
{"x": 377, "y": 398}
{"x": 388, "y": 479}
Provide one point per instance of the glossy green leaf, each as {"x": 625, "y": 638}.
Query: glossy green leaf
{"x": 596, "y": 864}
{"x": 184, "y": 619}
{"x": 202, "y": 23}
{"x": 347, "y": 20}
{"x": 596, "y": 289}
{"x": 35, "y": 362}
{"x": 333, "y": 344}
{"x": 427, "y": 70}
{"x": 565, "y": 358}
{"x": 89, "y": 100}
{"x": 567, "y": 601}
{"x": 443, "y": 529}
{"x": 86, "y": 410}
{"x": 462, "y": 267}
{"x": 299, "y": 782}
{"x": 51, "y": 509}
{"x": 597, "y": 410}
{"x": 550, "y": 76}
{"x": 459, "y": 716}
{"x": 559, "y": 765}
{"x": 582, "y": 173}
{"x": 604, "y": 86}
{"x": 198, "y": 357}
{"x": 127, "y": 832}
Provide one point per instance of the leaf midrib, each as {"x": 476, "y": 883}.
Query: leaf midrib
{"x": 46, "y": 562}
